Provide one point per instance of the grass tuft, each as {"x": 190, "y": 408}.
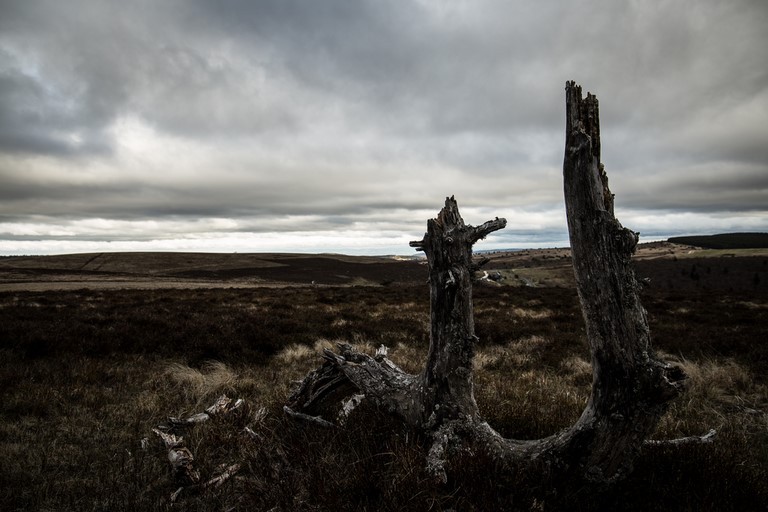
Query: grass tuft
{"x": 198, "y": 385}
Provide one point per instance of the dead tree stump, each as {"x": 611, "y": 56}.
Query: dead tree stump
{"x": 631, "y": 388}
{"x": 447, "y": 376}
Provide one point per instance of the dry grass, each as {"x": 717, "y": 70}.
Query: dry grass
{"x": 296, "y": 353}
{"x": 515, "y": 354}
{"x": 197, "y": 386}
{"x": 535, "y": 314}
{"x": 85, "y": 375}
{"x": 408, "y": 357}
{"x": 720, "y": 394}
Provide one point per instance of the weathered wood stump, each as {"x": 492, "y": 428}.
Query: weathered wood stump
{"x": 631, "y": 388}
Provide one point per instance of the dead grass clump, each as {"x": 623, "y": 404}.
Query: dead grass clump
{"x": 577, "y": 370}
{"x": 720, "y": 394}
{"x": 410, "y": 358}
{"x": 515, "y": 354}
{"x": 752, "y": 305}
{"x": 534, "y": 314}
{"x": 299, "y": 353}
{"x": 528, "y": 404}
{"x": 719, "y": 381}
{"x": 294, "y": 353}
{"x": 198, "y": 385}
{"x": 385, "y": 310}
{"x": 339, "y": 322}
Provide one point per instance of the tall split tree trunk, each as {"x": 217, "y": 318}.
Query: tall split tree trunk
{"x": 630, "y": 390}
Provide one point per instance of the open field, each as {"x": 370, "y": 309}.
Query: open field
{"x": 199, "y": 270}
{"x": 662, "y": 262}
{"x": 97, "y": 349}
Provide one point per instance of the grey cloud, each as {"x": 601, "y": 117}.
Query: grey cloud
{"x": 38, "y": 119}
{"x": 92, "y": 62}
{"x": 402, "y": 67}
{"x": 721, "y": 188}
{"x": 136, "y": 200}
{"x": 415, "y": 71}
{"x": 305, "y": 107}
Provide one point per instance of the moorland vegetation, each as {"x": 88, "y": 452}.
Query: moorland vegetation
{"x": 85, "y": 374}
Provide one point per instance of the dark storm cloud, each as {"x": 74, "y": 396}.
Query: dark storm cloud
{"x": 69, "y": 70}
{"x": 408, "y": 65}
{"x": 725, "y": 188}
{"x": 350, "y": 110}
{"x": 38, "y": 120}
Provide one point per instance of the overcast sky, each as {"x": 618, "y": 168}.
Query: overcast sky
{"x": 342, "y": 125}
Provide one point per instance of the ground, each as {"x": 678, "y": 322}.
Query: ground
{"x": 97, "y": 349}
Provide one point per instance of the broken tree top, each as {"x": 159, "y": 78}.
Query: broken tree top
{"x": 448, "y": 229}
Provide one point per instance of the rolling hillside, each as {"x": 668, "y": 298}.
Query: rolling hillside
{"x": 725, "y": 241}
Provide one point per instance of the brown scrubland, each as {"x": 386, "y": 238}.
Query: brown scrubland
{"x": 95, "y": 350}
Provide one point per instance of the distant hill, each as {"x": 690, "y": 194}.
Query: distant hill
{"x": 725, "y": 241}
{"x": 160, "y": 269}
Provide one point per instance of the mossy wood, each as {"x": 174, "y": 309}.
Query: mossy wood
{"x": 631, "y": 388}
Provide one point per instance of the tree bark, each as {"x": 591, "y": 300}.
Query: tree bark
{"x": 630, "y": 387}
{"x": 447, "y": 375}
